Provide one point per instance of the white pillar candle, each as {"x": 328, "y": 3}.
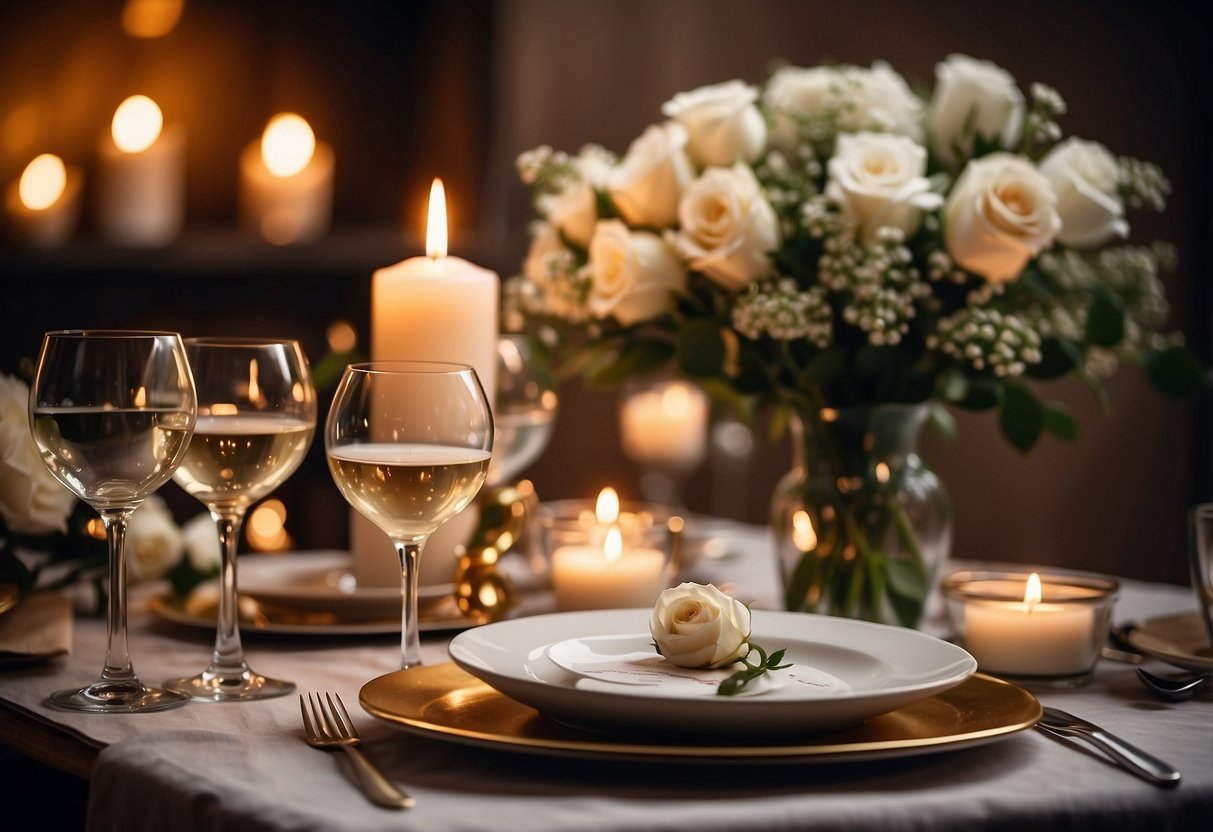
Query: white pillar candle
{"x": 142, "y": 185}
{"x": 607, "y": 577}
{"x": 286, "y": 183}
{"x": 665, "y": 425}
{"x": 43, "y": 204}
{"x": 432, "y": 308}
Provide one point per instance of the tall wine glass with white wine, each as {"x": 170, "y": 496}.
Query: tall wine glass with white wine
{"x": 112, "y": 412}
{"x": 256, "y": 417}
{"x": 408, "y": 445}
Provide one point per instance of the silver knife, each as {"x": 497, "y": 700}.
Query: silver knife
{"x": 1130, "y": 757}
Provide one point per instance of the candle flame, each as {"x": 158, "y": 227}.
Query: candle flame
{"x": 224, "y": 409}
{"x": 612, "y": 547}
{"x": 137, "y": 124}
{"x": 1031, "y": 593}
{"x": 42, "y": 182}
{"x": 803, "y": 535}
{"x": 435, "y": 229}
{"x": 287, "y": 145}
{"x": 141, "y": 397}
{"x": 254, "y": 389}
{"x": 607, "y": 507}
{"x": 151, "y": 18}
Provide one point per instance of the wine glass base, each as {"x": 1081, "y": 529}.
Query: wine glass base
{"x": 117, "y": 697}
{"x": 233, "y": 686}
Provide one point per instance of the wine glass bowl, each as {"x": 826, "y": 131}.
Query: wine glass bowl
{"x": 524, "y": 412}
{"x": 112, "y": 413}
{"x": 256, "y": 419}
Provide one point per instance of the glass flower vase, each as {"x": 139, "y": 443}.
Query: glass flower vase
{"x": 861, "y": 526}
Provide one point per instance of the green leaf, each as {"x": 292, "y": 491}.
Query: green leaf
{"x": 1060, "y": 422}
{"x": 981, "y": 395}
{"x": 1020, "y": 417}
{"x": 778, "y": 425}
{"x": 940, "y": 418}
{"x": 823, "y": 369}
{"x": 1105, "y": 322}
{"x": 700, "y": 348}
{"x": 1176, "y": 372}
{"x": 636, "y": 358}
{"x": 1056, "y": 359}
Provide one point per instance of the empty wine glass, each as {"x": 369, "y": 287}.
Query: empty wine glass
{"x": 256, "y": 417}
{"x": 408, "y": 445}
{"x": 525, "y": 410}
{"x": 112, "y": 412}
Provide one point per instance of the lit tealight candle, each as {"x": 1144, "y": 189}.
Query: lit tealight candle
{"x": 602, "y": 573}
{"x": 431, "y": 308}
{"x": 43, "y": 204}
{"x": 142, "y": 186}
{"x": 665, "y": 425}
{"x": 286, "y": 183}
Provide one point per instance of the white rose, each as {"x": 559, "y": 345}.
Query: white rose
{"x": 696, "y": 625}
{"x": 794, "y": 94}
{"x": 633, "y": 273}
{"x": 883, "y": 102}
{"x": 1001, "y": 213}
{"x": 32, "y": 501}
{"x": 573, "y": 210}
{"x": 879, "y": 178}
{"x": 201, "y": 539}
{"x": 728, "y": 229}
{"x": 722, "y": 122}
{"x": 153, "y": 541}
{"x": 973, "y": 98}
{"x": 1086, "y": 178}
{"x": 646, "y": 186}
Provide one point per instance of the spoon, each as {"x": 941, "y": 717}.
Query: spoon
{"x": 1174, "y": 689}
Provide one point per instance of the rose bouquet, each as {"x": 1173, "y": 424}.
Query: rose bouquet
{"x": 837, "y": 247}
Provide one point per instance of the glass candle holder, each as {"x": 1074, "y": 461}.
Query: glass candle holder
{"x": 1033, "y": 626}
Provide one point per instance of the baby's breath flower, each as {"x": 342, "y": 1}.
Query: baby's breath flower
{"x": 782, "y": 311}
{"x": 986, "y": 339}
{"x": 1143, "y": 184}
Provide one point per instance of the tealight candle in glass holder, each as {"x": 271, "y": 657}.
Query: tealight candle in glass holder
{"x": 1043, "y": 628}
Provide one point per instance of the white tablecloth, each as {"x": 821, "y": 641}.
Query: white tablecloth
{"x": 244, "y": 765}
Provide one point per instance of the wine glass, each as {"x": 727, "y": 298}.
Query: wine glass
{"x": 408, "y": 445}
{"x": 525, "y": 410}
{"x": 256, "y": 417}
{"x": 112, "y": 412}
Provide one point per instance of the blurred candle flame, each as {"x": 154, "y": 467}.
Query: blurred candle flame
{"x": 137, "y": 124}
{"x": 151, "y": 18}
{"x": 287, "y": 145}
{"x": 607, "y": 507}
{"x": 612, "y": 547}
{"x": 1031, "y": 592}
{"x": 42, "y": 182}
{"x": 435, "y": 230}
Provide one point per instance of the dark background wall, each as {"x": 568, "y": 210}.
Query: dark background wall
{"x": 406, "y": 91}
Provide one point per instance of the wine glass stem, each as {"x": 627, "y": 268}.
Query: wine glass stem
{"x": 228, "y": 657}
{"x": 117, "y": 653}
{"x": 409, "y": 551}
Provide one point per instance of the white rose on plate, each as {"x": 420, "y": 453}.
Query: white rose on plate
{"x": 1001, "y": 213}
{"x": 879, "y": 178}
{"x": 697, "y": 625}
{"x": 645, "y": 187}
{"x": 728, "y": 229}
{"x": 201, "y": 539}
{"x": 153, "y": 541}
{"x": 722, "y": 122}
{"x": 1086, "y": 179}
{"x": 32, "y": 501}
{"x": 973, "y": 98}
{"x": 633, "y": 274}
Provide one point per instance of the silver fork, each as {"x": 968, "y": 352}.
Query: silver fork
{"x": 331, "y": 727}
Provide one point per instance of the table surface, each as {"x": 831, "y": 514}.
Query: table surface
{"x": 207, "y": 766}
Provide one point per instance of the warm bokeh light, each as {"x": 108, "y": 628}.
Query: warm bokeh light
{"x": 42, "y": 182}
{"x": 612, "y": 547}
{"x": 1031, "y": 592}
{"x": 137, "y": 124}
{"x": 287, "y": 145}
{"x": 675, "y": 401}
{"x": 606, "y": 509}
{"x": 267, "y": 527}
{"x": 435, "y": 229}
{"x": 341, "y": 337}
{"x": 804, "y": 536}
{"x": 151, "y": 18}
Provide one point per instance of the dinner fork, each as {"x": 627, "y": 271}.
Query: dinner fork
{"x": 330, "y": 727}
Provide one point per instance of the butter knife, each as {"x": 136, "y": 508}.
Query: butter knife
{"x": 1128, "y": 756}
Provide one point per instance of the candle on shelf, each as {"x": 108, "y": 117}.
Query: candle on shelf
{"x": 43, "y": 204}
{"x": 1056, "y": 630}
{"x": 665, "y": 424}
{"x": 142, "y": 185}
{"x": 431, "y": 308}
{"x": 600, "y": 572}
{"x": 286, "y": 183}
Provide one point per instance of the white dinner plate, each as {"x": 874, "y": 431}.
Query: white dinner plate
{"x": 868, "y": 668}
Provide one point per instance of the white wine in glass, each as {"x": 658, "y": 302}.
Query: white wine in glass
{"x": 112, "y": 412}
{"x": 256, "y": 418}
{"x": 409, "y": 445}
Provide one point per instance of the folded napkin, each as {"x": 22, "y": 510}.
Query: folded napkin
{"x": 39, "y": 627}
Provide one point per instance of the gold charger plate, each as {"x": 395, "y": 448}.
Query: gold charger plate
{"x": 1178, "y": 639}
{"x": 445, "y": 702}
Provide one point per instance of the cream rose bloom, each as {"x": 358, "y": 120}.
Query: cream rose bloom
{"x": 973, "y": 98}
{"x": 1001, "y": 213}
{"x": 201, "y": 541}
{"x": 697, "y": 625}
{"x": 32, "y": 501}
{"x": 1086, "y": 178}
{"x": 634, "y": 274}
{"x": 645, "y": 187}
{"x": 153, "y": 541}
{"x": 727, "y": 227}
{"x": 574, "y": 209}
{"x": 722, "y": 121}
{"x": 879, "y": 178}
